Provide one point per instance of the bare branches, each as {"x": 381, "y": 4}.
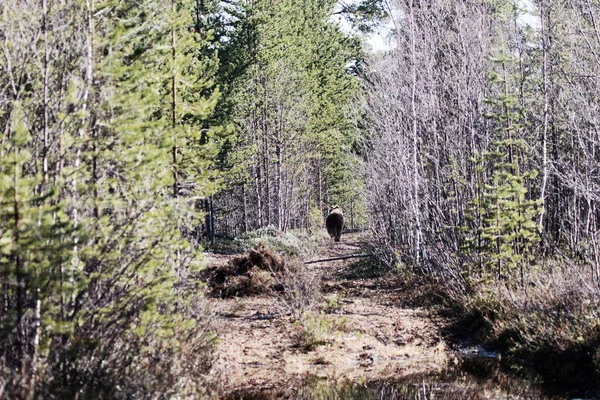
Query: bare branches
{"x": 431, "y": 111}
{"x": 339, "y": 258}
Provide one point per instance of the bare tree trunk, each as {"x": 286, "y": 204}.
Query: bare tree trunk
{"x": 212, "y": 220}
{"x": 259, "y": 190}
{"x": 20, "y": 342}
{"x": 45, "y": 96}
{"x": 278, "y": 179}
{"x": 320, "y": 180}
{"x": 37, "y": 313}
{"x": 208, "y": 219}
{"x": 415, "y": 136}
{"x": 266, "y": 173}
{"x": 352, "y": 213}
{"x": 174, "y": 102}
{"x": 37, "y": 317}
{"x": 245, "y": 208}
{"x": 543, "y": 17}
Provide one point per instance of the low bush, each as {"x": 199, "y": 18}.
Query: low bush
{"x": 295, "y": 243}
{"x": 553, "y": 320}
{"x": 546, "y": 319}
{"x": 311, "y": 331}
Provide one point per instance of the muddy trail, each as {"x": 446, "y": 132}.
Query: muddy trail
{"x": 369, "y": 340}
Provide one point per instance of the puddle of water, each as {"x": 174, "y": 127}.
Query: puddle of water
{"x": 417, "y": 388}
{"x": 478, "y": 352}
{"x": 477, "y": 375}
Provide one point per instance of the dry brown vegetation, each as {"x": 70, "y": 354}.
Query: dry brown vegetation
{"x": 250, "y": 274}
{"x": 553, "y": 322}
{"x": 262, "y": 271}
{"x": 359, "y": 332}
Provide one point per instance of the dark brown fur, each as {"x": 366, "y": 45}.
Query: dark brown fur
{"x": 335, "y": 223}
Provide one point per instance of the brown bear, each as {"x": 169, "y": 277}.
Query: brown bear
{"x": 335, "y": 223}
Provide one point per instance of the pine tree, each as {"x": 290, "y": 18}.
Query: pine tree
{"x": 292, "y": 112}
{"x": 35, "y": 249}
{"x": 505, "y": 231}
{"x": 145, "y": 164}
{"x": 94, "y": 240}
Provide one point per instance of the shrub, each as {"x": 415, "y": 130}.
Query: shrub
{"x": 311, "y": 331}
{"x": 553, "y": 321}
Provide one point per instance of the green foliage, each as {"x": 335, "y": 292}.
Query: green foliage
{"x": 290, "y": 243}
{"x": 316, "y": 219}
{"x": 504, "y": 231}
{"x": 365, "y": 15}
{"x": 93, "y": 240}
{"x": 138, "y": 250}
{"x": 36, "y": 247}
{"x": 292, "y": 108}
{"x": 312, "y": 330}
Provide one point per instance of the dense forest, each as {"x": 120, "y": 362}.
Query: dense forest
{"x": 137, "y": 133}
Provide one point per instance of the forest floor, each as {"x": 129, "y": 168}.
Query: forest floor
{"x": 372, "y": 327}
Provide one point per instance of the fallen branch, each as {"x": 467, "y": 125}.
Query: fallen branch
{"x": 339, "y": 258}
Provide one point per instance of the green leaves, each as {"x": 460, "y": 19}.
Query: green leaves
{"x": 36, "y": 241}
{"x": 365, "y": 15}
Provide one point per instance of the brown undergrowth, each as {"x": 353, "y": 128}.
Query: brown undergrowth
{"x": 326, "y": 319}
{"x": 258, "y": 271}
{"x": 261, "y": 271}
{"x": 347, "y": 326}
{"x": 548, "y": 327}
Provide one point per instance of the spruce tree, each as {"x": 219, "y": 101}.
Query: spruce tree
{"x": 505, "y": 231}
{"x": 147, "y": 160}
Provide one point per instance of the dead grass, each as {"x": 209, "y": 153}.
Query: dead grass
{"x": 553, "y": 321}
{"x": 250, "y": 274}
{"x": 263, "y": 271}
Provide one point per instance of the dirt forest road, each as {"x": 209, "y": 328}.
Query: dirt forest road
{"x": 370, "y": 333}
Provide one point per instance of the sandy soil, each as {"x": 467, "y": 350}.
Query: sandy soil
{"x": 369, "y": 334}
